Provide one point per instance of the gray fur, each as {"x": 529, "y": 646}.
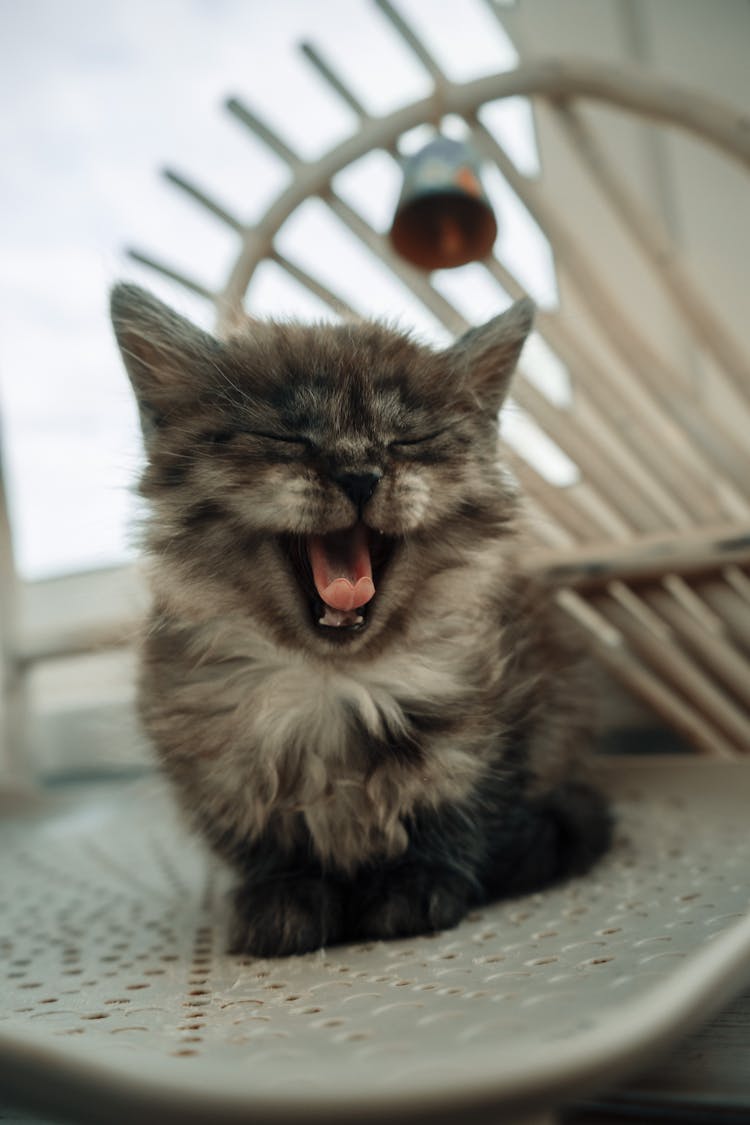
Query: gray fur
{"x": 282, "y": 736}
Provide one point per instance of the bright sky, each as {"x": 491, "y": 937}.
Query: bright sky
{"x": 99, "y": 97}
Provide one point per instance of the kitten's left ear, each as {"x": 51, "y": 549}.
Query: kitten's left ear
{"x": 486, "y": 356}
{"x": 167, "y": 358}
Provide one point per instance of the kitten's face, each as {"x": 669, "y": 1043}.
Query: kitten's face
{"x": 320, "y": 474}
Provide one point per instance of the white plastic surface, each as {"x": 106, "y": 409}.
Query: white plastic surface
{"x": 117, "y": 1001}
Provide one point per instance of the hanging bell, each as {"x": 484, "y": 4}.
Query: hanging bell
{"x": 443, "y": 218}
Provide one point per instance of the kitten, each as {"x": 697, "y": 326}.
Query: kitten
{"x": 364, "y": 705}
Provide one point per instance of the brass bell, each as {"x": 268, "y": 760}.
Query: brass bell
{"x": 443, "y": 218}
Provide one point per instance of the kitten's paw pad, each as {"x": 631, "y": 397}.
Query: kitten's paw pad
{"x": 412, "y": 903}
{"x": 281, "y": 919}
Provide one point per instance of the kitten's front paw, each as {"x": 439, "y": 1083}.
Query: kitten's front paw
{"x": 287, "y": 917}
{"x": 411, "y": 900}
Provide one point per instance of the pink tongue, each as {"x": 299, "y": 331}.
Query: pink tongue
{"x": 341, "y": 568}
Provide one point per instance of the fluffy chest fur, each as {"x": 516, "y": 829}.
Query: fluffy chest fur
{"x": 263, "y": 740}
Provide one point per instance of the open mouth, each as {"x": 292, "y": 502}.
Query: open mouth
{"x": 340, "y": 574}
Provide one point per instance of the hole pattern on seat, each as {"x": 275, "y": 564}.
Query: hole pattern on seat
{"x": 120, "y": 939}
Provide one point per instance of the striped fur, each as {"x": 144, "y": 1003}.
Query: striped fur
{"x": 375, "y": 780}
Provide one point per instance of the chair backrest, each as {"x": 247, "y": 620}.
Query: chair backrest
{"x": 651, "y": 540}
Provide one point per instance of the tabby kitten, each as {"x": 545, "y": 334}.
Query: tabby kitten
{"x": 364, "y": 705}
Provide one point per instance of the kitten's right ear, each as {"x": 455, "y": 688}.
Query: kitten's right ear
{"x": 166, "y": 356}
{"x": 486, "y": 356}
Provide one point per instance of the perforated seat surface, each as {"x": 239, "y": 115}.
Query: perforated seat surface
{"x": 118, "y": 997}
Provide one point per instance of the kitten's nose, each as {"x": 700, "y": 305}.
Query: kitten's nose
{"x": 359, "y": 487}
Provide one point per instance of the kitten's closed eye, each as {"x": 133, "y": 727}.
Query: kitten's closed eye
{"x": 422, "y": 439}
{"x": 219, "y": 437}
{"x": 283, "y": 439}
{"x": 222, "y": 437}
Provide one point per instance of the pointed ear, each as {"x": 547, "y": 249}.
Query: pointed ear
{"x": 166, "y": 357}
{"x": 486, "y": 356}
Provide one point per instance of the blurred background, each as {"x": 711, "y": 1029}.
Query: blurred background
{"x": 101, "y": 98}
